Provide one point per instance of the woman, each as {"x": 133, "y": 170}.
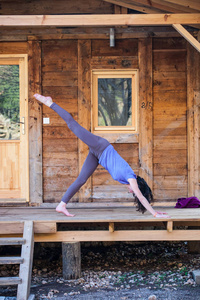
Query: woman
{"x": 101, "y": 152}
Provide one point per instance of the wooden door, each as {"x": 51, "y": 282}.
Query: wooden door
{"x": 14, "y": 175}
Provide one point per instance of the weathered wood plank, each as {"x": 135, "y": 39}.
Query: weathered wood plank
{"x": 171, "y": 84}
{"x": 45, "y": 227}
{"x": 126, "y": 48}
{"x": 10, "y": 281}
{"x": 59, "y": 56}
{"x": 170, "y": 182}
{"x": 60, "y": 159}
{"x": 40, "y": 7}
{"x": 58, "y": 132}
{"x": 171, "y": 130}
{"x": 114, "y": 62}
{"x": 59, "y": 171}
{"x": 167, "y": 142}
{"x": 170, "y": 156}
{"x": 58, "y": 183}
{"x": 60, "y": 145}
{"x": 11, "y": 260}
{"x": 170, "y": 169}
{"x": 84, "y": 107}
{"x": 61, "y": 93}
{"x": 169, "y": 61}
{"x": 25, "y": 270}
{"x": 14, "y": 48}
{"x": 193, "y": 84}
{"x": 145, "y": 110}
{"x": 65, "y": 78}
{"x": 197, "y": 143}
{"x": 170, "y": 44}
{"x": 35, "y": 122}
{"x": 163, "y": 195}
{"x": 10, "y": 241}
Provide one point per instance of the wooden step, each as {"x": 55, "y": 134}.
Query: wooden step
{"x": 11, "y": 260}
{"x": 12, "y": 241}
{"x": 10, "y": 280}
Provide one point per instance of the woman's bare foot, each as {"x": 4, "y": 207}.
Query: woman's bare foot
{"x": 61, "y": 208}
{"x": 45, "y": 100}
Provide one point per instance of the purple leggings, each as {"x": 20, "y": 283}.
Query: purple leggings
{"x": 96, "y": 146}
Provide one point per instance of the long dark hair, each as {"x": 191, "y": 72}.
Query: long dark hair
{"x": 146, "y": 192}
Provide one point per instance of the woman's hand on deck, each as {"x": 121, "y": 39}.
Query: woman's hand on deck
{"x": 160, "y": 215}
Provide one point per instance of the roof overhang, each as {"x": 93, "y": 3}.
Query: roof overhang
{"x": 175, "y": 20}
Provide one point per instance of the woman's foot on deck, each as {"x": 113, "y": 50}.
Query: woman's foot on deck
{"x": 61, "y": 208}
{"x": 45, "y": 100}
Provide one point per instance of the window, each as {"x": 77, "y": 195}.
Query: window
{"x": 114, "y": 99}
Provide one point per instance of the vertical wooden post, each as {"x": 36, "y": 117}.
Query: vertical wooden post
{"x": 71, "y": 253}
{"x": 145, "y": 110}
{"x": 193, "y": 85}
{"x": 84, "y": 106}
{"x": 197, "y": 144}
{"x": 35, "y": 122}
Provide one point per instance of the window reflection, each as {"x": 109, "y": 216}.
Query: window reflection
{"x": 9, "y": 102}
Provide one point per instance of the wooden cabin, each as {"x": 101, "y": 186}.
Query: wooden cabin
{"x": 66, "y": 50}
{"x": 162, "y": 141}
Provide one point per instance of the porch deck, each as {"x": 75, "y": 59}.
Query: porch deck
{"x": 102, "y": 224}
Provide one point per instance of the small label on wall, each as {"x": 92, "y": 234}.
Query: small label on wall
{"x": 46, "y": 121}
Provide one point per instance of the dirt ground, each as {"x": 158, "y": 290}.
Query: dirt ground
{"x": 114, "y": 271}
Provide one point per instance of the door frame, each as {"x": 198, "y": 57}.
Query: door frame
{"x": 22, "y": 60}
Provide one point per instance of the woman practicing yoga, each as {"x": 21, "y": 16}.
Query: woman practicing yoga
{"x": 101, "y": 152}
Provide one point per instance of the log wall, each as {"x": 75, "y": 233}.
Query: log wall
{"x": 65, "y": 69}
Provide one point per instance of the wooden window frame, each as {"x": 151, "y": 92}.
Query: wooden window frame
{"x": 117, "y": 73}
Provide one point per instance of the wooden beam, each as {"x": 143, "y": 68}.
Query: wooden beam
{"x": 111, "y": 227}
{"x": 187, "y": 36}
{"x": 195, "y": 4}
{"x": 84, "y": 106}
{"x": 145, "y": 111}
{"x": 99, "y": 20}
{"x": 35, "y": 122}
{"x": 120, "y": 235}
{"x": 135, "y": 6}
{"x": 193, "y": 86}
{"x": 170, "y": 226}
{"x": 166, "y": 6}
{"x": 197, "y": 144}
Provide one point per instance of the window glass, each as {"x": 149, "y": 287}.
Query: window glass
{"x": 9, "y": 102}
{"x": 114, "y": 101}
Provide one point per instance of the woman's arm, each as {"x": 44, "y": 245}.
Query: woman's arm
{"x": 143, "y": 200}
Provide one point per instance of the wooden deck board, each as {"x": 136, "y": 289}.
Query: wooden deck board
{"x": 97, "y": 215}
